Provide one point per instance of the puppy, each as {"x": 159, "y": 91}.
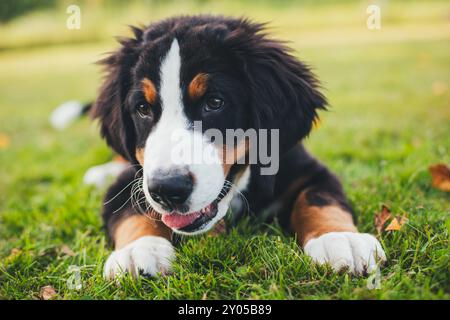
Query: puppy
{"x": 222, "y": 73}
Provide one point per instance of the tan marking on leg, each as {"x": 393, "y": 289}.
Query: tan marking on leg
{"x": 310, "y": 222}
{"x": 140, "y": 155}
{"x": 136, "y": 226}
{"x": 198, "y": 86}
{"x": 149, "y": 90}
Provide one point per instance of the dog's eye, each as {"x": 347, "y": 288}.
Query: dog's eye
{"x": 143, "y": 110}
{"x": 214, "y": 103}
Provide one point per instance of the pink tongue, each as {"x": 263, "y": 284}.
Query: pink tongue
{"x": 177, "y": 221}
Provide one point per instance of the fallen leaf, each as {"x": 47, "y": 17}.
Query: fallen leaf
{"x": 4, "y": 141}
{"x": 67, "y": 251}
{"x": 439, "y": 88}
{"x": 396, "y": 223}
{"x": 219, "y": 228}
{"x": 47, "y": 293}
{"x": 382, "y": 217}
{"x": 441, "y": 176}
{"x": 15, "y": 252}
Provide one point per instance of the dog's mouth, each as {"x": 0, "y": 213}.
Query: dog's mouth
{"x": 194, "y": 221}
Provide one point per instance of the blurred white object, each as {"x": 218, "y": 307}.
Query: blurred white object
{"x": 65, "y": 114}
{"x": 100, "y": 175}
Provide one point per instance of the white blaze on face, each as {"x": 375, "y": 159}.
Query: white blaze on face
{"x": 173, "y": 132}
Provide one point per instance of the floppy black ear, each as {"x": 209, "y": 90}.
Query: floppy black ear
{"x": 284, "y": 92}
{"x": 116, "y": 125}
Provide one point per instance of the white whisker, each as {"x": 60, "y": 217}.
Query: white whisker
{"x": 117, "y": 194}
{"x": 235, "y": 189}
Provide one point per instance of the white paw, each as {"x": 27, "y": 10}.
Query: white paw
{"x": 147, "y": 255}
{"x": 356, "y": 252}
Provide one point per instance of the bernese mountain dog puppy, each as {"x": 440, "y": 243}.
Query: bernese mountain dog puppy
{"x": 225, "y": 73}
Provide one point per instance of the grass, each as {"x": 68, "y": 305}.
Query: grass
{"x": 390, "y": 116}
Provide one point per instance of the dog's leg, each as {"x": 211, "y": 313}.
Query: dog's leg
{"x": 142, "y": 243}
{"x": 323, "y": 223}
{"x": 141, "y": 246}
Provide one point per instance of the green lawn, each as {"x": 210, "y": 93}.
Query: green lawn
{"x": 390, "y": 119}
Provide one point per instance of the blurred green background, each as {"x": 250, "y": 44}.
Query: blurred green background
{"x": 389, "y": 120}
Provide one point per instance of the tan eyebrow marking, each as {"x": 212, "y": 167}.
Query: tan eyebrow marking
{"x": 149, "y": 90}
{"x": 198, "y": 86}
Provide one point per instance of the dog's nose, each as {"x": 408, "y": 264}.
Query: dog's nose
{"x": 171, "y": 189}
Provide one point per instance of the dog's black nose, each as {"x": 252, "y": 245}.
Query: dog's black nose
{"x": 171, "y": 189}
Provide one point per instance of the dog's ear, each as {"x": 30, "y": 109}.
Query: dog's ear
{"x": 116, "y": 125}
{"x": 284, "y": 92}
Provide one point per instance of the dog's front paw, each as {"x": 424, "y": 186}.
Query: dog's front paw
{"x": 356, "y": 252}
{"x": 147, "y": 255}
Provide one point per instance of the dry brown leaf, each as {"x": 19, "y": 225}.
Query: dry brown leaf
{"x": 439, "y": 88}
{"x": 47, "y": 293}
{"x": 382, "y": 217}
{"x": 15, "y": 252}
{"x": 397, "y": 223}
{"x": 441, "y": 176}
{"x": 219, "y": 228}
{"x": 67, "y": 251}
{"x": 5, "y": 141}
{"x": 394, "y": 225}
